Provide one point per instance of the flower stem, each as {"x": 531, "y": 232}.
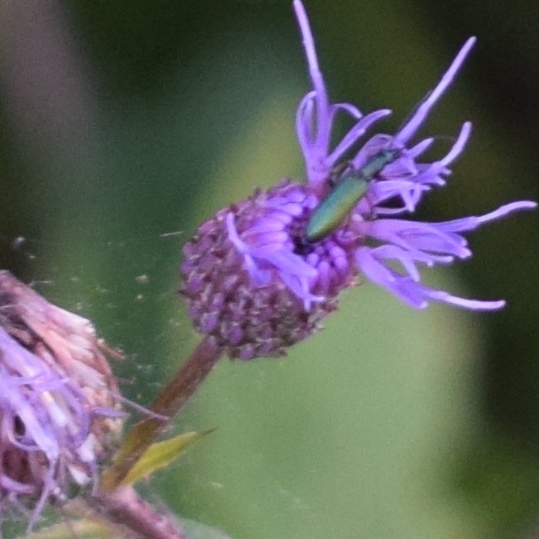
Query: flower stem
{"x": 184, "y": 383}
{"x": 137, "y": 518}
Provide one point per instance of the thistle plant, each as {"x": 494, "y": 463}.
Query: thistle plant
{"x": 257, "y": 277}
{"x": 60, "y": 406}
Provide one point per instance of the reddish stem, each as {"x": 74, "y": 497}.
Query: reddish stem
{"x": 137, "y": 518}
{"x": 185, "y": 382}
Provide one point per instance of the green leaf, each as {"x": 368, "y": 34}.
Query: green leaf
{"x": 68, "y": 529}
{"x": 161, "y": 454}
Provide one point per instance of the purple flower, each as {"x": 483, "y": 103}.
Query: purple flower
{"x": 256, "y": 285}
{"x": 59, "y": 406}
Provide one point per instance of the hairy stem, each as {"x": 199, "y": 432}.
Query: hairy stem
{"x": 184, "y": 383}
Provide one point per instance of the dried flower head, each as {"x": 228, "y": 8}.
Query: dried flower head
{"x": 262, "y": 273}
{"x": 59, "y": 410}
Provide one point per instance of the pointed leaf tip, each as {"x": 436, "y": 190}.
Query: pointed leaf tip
{"x": 162, "y": 454}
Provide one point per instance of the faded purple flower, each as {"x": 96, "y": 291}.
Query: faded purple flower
{"x": 256, "y": 286}
{"x": 59, "y": 407}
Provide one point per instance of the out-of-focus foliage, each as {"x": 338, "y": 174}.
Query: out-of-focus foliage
{"x": 83, "y": 529}
{"x": 87, "y": 529}
{"x": 126, "y": 122}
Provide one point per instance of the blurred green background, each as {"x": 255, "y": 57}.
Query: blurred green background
{"x": 122, "y": 122}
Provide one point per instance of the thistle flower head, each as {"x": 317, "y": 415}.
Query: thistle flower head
{"x": 58, "y": 406}
{"x": 258, "y": 279}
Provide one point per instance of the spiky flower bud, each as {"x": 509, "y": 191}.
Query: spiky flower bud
{"x": 244, "y": 282}
{"x": 261, "y": 274}
{"x": 59, "y": 407}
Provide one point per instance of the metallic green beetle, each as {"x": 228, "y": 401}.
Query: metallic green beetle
{"x": 343, "y": 198}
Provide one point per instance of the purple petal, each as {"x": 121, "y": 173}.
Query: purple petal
{"x": 356, "y": 132}
{"x": 471, "y": 223}
{"x": 410, "y": 291}
{"x": 291, "y": 263}
{"x": 412, "y": 235}
{"x": 420, "y": 147}
{"x": 322, "y": 136}
{"x": 473, "y": 304}
{"x": 304, "y": 117}
{"x": 300, "y": 287}
{"x": 459, "y": 145}
{"x": 352, "y": 110}
{"x": 421, "y": 113}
